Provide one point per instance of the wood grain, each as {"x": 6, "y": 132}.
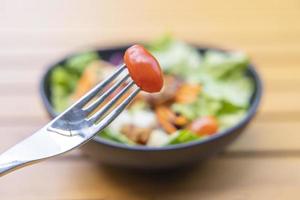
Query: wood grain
{"x": 218, "y": 178}
{"x": 262, "y": 164}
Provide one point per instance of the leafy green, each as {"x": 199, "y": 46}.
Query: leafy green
{"x": 228, "y": 108}
{"x": 234, "y": 90}
{"x": 183, "y": 136}
{"x": 227, "y": 120}
{"x": 64, "y": 78}
{"x": 224, "y": 79}
{"x": 59, "y": 98}
{"x": 78, "y": 63}
{"x": 176, "y": 57}
{"x": 161, "y": 43}
{"x": 63, "y": 83}
{"x": 204, "y": 106}
{"x": 117, "y": 137}
{"x": 219, "y": 64}
{"x": 187, "y": 110}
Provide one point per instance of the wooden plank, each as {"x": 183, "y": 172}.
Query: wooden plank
{"x": 151, "y": 12}
{"x": 23, "y": 76}
{"x": 263, "y": 136}
{"x": 26, "y": 107}
{"x": 281, "y": 102}
{"x": 218, "y": 178}
{"x": 27, "y": 41}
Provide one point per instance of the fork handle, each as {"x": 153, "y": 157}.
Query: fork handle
{"x": 10, "y": 161}
{"x": 10, "y": 164}
{"x": 9, "y": 167}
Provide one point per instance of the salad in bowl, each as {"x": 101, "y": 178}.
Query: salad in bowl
{"x": 203, "y": 94}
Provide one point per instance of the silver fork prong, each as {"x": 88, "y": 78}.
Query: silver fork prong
{"x": 116, "y": 111}
{"x": 70, "y": 129}
{"x": 92, "y": 93}
{"x": 98, "y": 101}
{"x": 105, "y": 108}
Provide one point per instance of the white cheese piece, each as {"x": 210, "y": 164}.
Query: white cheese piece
{"x": 143, "y": 119}
{"x": 122, "y": 119}
{"x": 158, "y": 138}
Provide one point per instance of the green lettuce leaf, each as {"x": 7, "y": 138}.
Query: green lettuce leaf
{"x": 63, "y": 77}
{"x": 183, "y": 136}
{"x": 224, "y": 79}
{"x": 116, "y": 137}
{"x": 220, "y": 65}
{"x": 176, "y": 57}
{"x": 59, "y": 98}
{"x": 78, "y": 63}
{"x": 234, "y": 90}
{"x": 204, "y": 106}
{"x": 63, "y": 82}
{"x": 227, "y": 120}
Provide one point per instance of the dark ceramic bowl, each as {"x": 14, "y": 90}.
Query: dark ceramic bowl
{"x": 167, "y": 157}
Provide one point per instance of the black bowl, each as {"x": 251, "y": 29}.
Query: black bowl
{"x": 167, "y": 157}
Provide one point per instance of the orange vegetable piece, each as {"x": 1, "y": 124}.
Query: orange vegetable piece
{"x": 165, "y": 118}
{"x": 187, "y": 93}
{"x": 204, "y": 126}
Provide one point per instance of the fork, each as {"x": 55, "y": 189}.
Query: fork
{"x": 75, "y": 126}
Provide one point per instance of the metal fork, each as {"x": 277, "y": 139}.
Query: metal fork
{"x": 75, "y": 126}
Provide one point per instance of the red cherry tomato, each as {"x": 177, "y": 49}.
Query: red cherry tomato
{"x": 204, "y": 126}
{"x": 143, "y": 68}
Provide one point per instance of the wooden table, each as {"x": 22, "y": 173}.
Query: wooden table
{"x": 264, "y": 163}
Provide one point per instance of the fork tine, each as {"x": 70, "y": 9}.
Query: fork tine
{"x": 105, "y": 108}
{"x": 92, "y": 93}
{"x": 116, "y": 111}
{"x": 97, "y": 102}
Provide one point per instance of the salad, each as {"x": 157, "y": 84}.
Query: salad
{"x": 203, "y": 93}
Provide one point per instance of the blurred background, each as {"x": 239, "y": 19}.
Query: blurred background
{"x": 34, "y": 34}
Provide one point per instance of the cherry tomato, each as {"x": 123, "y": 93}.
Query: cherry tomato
{"x": 143, "y": 68}
{"x": 204, "y": 126}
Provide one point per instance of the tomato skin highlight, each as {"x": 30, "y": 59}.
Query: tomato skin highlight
{"x": 207, "y": 125}
{"x": 143, "y": 68}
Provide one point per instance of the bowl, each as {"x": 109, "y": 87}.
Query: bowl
{"x": 157, "y": 158}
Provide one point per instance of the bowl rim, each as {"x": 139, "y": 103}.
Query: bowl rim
{"x": 249, "y": 115}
